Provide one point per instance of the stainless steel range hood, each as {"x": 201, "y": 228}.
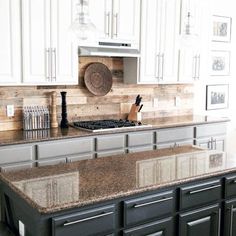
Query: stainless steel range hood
{"x": 109, "y": 50}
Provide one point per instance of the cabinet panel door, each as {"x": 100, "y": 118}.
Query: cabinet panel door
{"x": 196, "y": 195}
{"x": 36, "y": 40}
{"x": 18, "y": 153}
{"x": 150, "y": 31}
{"x": 64, "y": 52}
{"x": 97, "y": 221}
{"x": 230, "y": 218}
{"x": 157, "y": 228}
{"x": 205, "y": 221}
{"x": 10, "y": 72}
{"x": 168, "y": 50}
{"x": 126, "y": 21}
{"x": 142, "y": 209}
{"x": 101, "y": 18}
{"x": 174, "y": 134}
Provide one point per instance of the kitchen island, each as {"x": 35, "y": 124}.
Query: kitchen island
{"x": 174, "y": 191}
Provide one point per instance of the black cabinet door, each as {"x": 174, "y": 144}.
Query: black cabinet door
{"x": 230, "y": 218}
{"x": 158, "y": 228}
{"x": 201, "y": 222}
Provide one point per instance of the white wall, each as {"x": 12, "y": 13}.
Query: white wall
{"x": 221, "y": 8}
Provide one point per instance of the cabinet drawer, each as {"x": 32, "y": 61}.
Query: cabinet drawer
{"x": 52, "y": 162}
{"x": 16, "y": 166}
{"x": 140, "y": 149}
{"x": 211, "y": 130}
{"x": 200, "y": 194}
{"x": 167, "y": 135}
{"x": 111, "y": 153}
{"x": 230, "y": 186}
{"x": 12, "y": 154}
{"x": 64, "y": 148}
{"x": 139, "y": 139}
{"x": 146, "y": 208}
{"x": 98, "y": 221}
{"x": 157, "y": 228}
{"x": 110, "y": 142}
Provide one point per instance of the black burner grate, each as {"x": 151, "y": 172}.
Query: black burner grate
{"x": 104, "y": 124}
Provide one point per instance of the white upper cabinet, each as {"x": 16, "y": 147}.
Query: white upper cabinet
{"x": 49, "y": 56}
{"x": 116, "y": 20}
{"x": 194, "y": 40}
{"x": 10, "y": 59}
{"x": 159, "y": 41}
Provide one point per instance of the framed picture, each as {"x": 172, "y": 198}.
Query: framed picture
{"x": 217, "y": 96}
{"x": 221, "y": 29}
{"x": 220, "y": 63}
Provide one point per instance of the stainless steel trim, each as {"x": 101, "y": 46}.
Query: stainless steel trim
{"x": 204, "y": 189}
{"x": 153, "y": 202}
{"x": 138, "y": 127}
{"x": 89, "y": 218}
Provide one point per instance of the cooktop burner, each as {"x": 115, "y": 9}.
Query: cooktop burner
{"x": 106, "y": 125}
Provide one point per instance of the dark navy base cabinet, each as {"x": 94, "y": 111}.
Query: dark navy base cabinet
{"x": 198, "y": 208}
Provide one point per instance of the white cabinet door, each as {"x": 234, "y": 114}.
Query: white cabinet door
{"x": 194, "y": 40}
{"x": 100, "y": 13}
{"x": 64, "y": 53}
{"x": 159, "y": 41}
{"x": 116, "y": 20}
{"x": 126, "y": 21}
{"x": 10, "y": 68}
{"x": 169, "y": 33}
{"x": 49, "y": 57}
{"x": 150, "y": 31}
{"x": 36, "y": 41}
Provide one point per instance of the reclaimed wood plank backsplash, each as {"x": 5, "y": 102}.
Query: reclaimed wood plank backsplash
{"x": 82, "y": 105}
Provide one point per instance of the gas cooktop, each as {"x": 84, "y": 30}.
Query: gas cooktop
{"x": 108, "y": 125}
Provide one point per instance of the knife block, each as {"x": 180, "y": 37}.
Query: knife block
{"x": 134, "y": 115}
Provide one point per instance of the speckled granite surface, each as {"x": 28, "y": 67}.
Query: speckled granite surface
{"x": 54, "y": 188}
{"x": 19, "y": 136}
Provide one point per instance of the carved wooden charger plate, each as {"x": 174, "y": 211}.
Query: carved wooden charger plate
{"x": 98, "y": 79}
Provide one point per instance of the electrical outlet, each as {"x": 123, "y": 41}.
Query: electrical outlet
{"x": 10, "y": 110}
{"x": 155, "y": 102}
{"x": 177, "y": 101}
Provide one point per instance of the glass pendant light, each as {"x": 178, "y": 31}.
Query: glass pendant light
{"x": 82, "y": 28}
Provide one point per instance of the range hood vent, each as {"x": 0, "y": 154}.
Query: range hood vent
{"x": 109, "y": 50}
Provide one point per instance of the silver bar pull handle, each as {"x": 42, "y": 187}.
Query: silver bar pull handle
{"x": 162, "y": 65}
{"x": 198, "y": 67}
{"x": 115, "y": 17}
{"x": 153, "y": 202}
{"x": 204, "y": 189}
{"x": 54, "y": 64}
{"x": 194, "y": 67}
{"x": 108, "y": 24}
{"x": 231, "y": 220}
{"x": 47, "y": 64}
{"x": 157, "y": 66}
{"x": 219, "y": 221}
{"x": 89, "y": 218}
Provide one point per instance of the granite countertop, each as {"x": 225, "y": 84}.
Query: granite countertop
{"x": 20, "y": 137}
{"x": 53, "y": 188}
